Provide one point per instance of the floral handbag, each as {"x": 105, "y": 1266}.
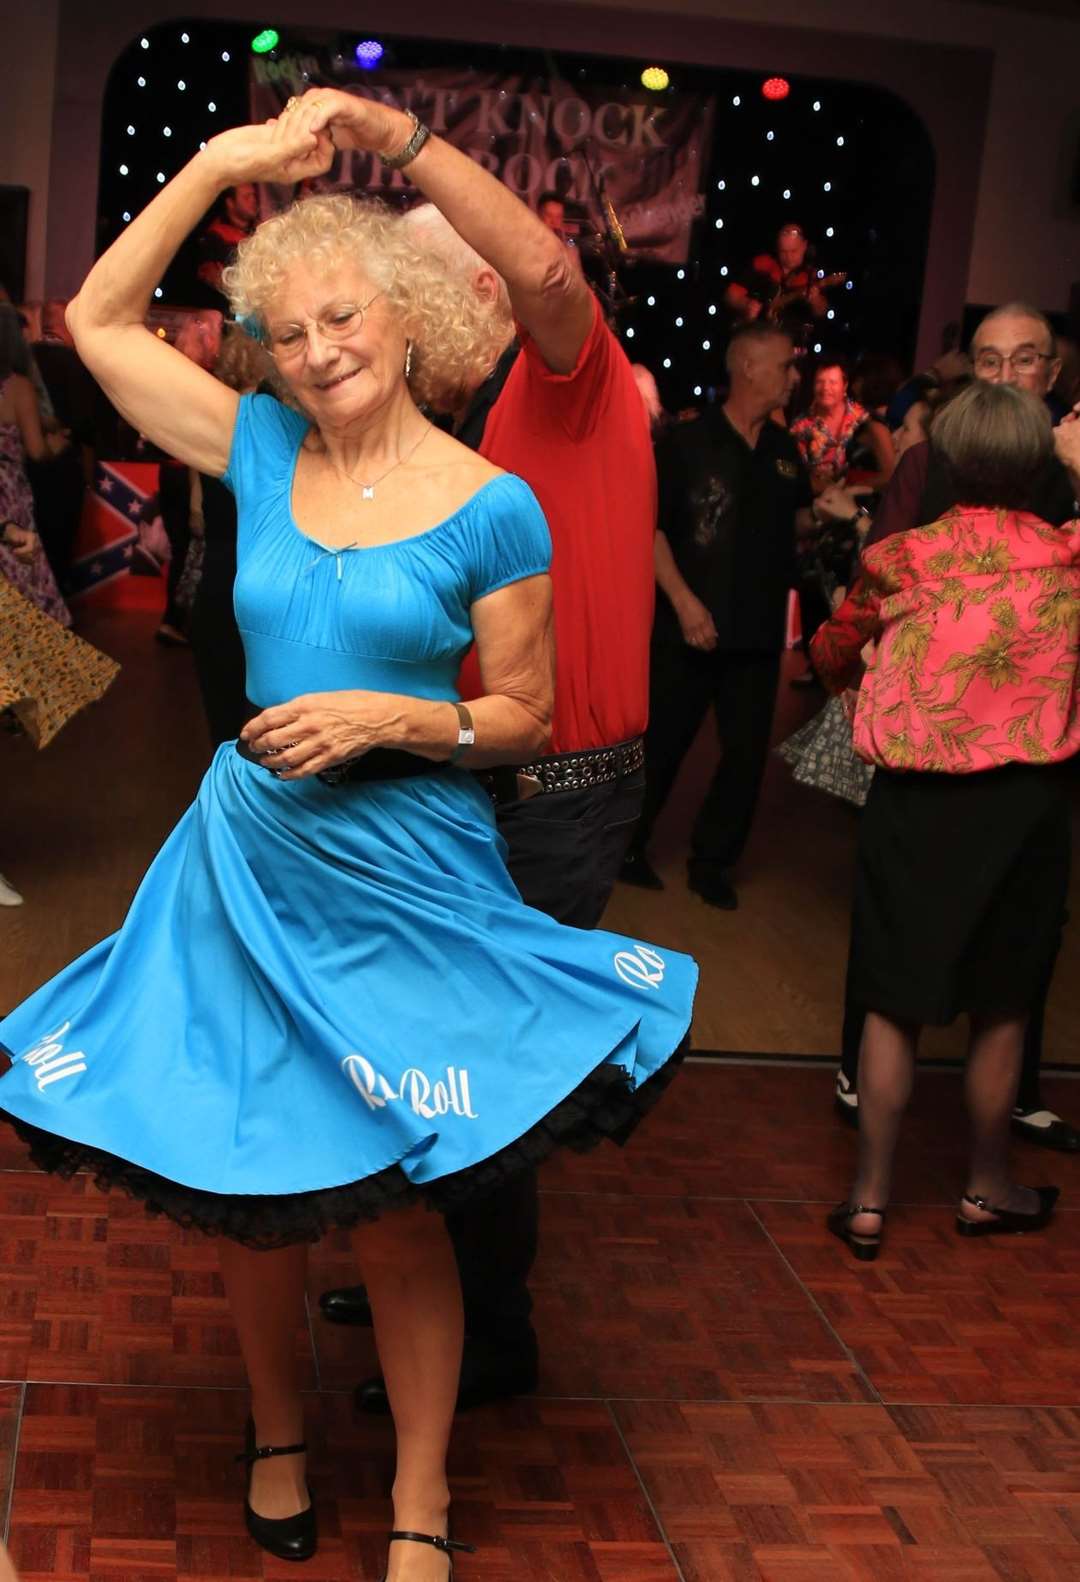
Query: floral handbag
{"x": 821, "y": 755}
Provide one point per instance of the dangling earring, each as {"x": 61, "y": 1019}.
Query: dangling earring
{"x": 408, "y": 357}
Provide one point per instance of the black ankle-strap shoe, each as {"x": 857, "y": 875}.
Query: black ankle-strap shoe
{"x": 287, "y": 1537}
{"x": 446, "y": 1545}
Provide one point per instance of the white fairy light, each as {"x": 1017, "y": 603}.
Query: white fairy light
{"x": 667, "y": 362}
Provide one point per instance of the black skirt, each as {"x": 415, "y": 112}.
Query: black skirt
{"x": 960, "y": 892}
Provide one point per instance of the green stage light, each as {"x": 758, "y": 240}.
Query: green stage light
{"x": 265, "y": 41}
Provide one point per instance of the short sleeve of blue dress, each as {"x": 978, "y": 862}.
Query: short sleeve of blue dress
{"x": 507, "y": 536}
{"x": 265, "y": 440}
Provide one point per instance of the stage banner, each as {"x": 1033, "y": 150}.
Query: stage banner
{"x": 535, "y": 135}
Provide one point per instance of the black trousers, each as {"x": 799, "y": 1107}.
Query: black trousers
{"x": 565, "y": 850}
{"x": 217, "y": 647}
{"x": 741, "y": 690}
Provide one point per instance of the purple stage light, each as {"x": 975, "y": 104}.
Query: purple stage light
{"x": 369, "y": 53}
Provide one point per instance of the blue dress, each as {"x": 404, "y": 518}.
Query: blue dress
{"x": 327, "y": 999}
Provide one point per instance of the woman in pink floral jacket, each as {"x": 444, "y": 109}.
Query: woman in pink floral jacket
{"x": 969, "y": 712}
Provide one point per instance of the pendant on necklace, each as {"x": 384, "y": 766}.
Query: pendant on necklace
{"x": 367, "y": 491}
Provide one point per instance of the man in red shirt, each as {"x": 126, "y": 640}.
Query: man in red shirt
{"x": 554, "y": 400}
{"x": 767, "y": 279}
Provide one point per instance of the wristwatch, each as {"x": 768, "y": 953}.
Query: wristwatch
{"x": 406, "y": 155}
{"x": 466, "y": 736}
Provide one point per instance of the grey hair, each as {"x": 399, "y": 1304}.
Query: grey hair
{"x": 1021, "y": 310}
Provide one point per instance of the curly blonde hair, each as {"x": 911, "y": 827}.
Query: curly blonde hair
{"x": 456, "y": 337}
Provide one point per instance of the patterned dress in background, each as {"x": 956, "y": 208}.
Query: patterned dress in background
{"x": 33, "y": 578}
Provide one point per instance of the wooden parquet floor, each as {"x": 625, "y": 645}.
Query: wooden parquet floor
{"x": 725, "y": 1396}
{"x": 724, "y": 1393}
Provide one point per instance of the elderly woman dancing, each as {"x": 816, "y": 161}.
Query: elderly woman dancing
{"x": 969, "y": 711}
{"x": 328, "y": 1005}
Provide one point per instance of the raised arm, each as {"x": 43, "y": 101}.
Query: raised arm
{"x": 183, "y": 409}
{"x": 549, "y": 295}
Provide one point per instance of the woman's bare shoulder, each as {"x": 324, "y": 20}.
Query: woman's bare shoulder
{"x": 446, "y": 451}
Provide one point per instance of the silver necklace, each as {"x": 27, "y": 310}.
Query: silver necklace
{"x": 367, "y": 490}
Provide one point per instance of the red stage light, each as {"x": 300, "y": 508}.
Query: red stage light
{"x": 776, "y": 88}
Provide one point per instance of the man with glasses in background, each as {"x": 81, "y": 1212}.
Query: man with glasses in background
{"x": 1013, "y": 344}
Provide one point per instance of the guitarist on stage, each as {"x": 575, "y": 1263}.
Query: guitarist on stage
{"x": 783, "y": 288}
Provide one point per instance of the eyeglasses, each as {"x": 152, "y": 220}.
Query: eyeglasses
{"x": 1023, "y": 361}
{"x": 289, "y": 342}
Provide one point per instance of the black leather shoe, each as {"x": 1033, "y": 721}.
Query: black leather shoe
{"x": 638, "y": 870}
{"x": 346, "y": 1304}
{"x": 287, "y": 1537}
{"x": 446, "y": 1545}
{"x": 714, "y": 891}
{"x": 1007, "y": 1221}
{"x": 487, "y": 1374}
{"x": 1045, "y": 1130}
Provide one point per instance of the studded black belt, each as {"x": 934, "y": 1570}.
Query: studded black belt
{"x": 565, "y": 771}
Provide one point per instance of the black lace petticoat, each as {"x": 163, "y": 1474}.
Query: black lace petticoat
{"x": 602, "y": 1108}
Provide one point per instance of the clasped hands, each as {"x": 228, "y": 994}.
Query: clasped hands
{"x": 319, "y": 730}
{"x": 300, "y": 142}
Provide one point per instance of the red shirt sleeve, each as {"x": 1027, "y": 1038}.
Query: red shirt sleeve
{"x": 899, "y": 508}
{"x": 836, "y": 647}
{"x": 574, "y": 401}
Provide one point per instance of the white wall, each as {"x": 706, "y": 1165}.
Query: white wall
{"x": 27, "y": 72}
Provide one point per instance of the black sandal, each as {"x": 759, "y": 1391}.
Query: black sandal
{"x": 865, "y": 1248}
{"x": 446, "y": 1545}
{"x": 287, "y": 1537}
{"x": 1008, "y": 1222}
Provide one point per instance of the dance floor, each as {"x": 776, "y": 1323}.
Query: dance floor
{"x": 725, "y": 1394}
